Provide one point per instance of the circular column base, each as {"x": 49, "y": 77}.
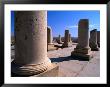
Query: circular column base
{"x": 29, "y": 69}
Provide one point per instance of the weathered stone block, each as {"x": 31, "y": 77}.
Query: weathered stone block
{"x": 51, "y": 72}
{"x": 93, "y": 40}
{"x": 82, "y": 49}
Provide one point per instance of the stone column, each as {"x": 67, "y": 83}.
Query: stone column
{"x": 93, "y": 40}
{"x": 49, "y": 35}
{"x": 98, "y": 38}
{"x": 59, "y": 39}
{"x": 50, "y": 44}
{"x": 82, "y": 49}
{"x": 70, "y": 38}
{"x": 66, "y": 39}
{"x": 30, "y": 43}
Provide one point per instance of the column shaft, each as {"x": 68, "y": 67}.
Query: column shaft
{"x": 82, "y": 50}
{"x": 66, "y": 39}
{"x": 83, "y": 33}
{"x": 30, "y": 43}
{"x": 49, "y": 35}
{"x": 93, "y": 40}
{"x": 98, "y": 38}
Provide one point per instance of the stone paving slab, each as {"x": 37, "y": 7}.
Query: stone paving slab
{"x": 61, "y": 52}
{"x": 72, "y": 65}
{"x": 63, "y": 72}
{"x": 92, "y": 69}
{"x": 69, "y": 67}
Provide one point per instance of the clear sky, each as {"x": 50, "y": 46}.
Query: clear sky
{"x": 12, "y": 22}
{"x": 61, "y": 20}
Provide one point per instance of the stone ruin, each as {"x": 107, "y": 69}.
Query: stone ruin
{"x": 31, "y": 35}
{"x": 31, "y": 47}
{"x": 93, "y": 40}
{"x": 50, "y": 44}
{"x": 98, "y": 38}
{"x": 66, "y": 40}
{"x": 83, "y": 50}
{"x": 59, "y": 40}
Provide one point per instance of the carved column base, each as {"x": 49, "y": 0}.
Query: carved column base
{"x": 52, "y": 71}
{"x": 84, "y": 53}
{"x": 29, "y": 69}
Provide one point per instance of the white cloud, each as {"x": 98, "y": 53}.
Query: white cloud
{"x": 74, "y": 26}
{"x": 90, "y": 26}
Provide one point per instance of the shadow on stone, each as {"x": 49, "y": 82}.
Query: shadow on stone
{"x": 58, "y": 46}
{"x": 68, "y": 58}
{"x": 16, "y": 75}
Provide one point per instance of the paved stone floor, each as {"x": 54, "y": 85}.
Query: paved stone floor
{"x": 70, "y": 67}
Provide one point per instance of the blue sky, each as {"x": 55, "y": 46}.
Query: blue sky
{"x": 12, "y": 22}
{"x": 61, "y": 20}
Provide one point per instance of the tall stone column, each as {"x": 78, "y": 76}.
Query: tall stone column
{"x": 49, "y": 35}
{"x": 98, "y": 38}
{"x": 93, "y": 40}
{"x": 30, "y": 43}
{"x": 59, "y": 39}
{"x": 82, "y": 49}
{"x": 50, "y": 44}
{"x": 70, "y": 38}
{"x": 66, "y": 39}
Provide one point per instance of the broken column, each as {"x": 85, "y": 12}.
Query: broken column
{"x": 98, "y": 38}
{"x": 49, "y": 35}
{"x": 70, "y": 38}
{"x": 66, "y": 39}
{"x": 93, "y": 40}
{"x": 83, "y": 50}
{"x": 59, "y": 39}
{"x": 30, "y": 43}
{"x": 50, "y": 45}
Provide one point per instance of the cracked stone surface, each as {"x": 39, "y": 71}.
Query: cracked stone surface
{"x": 69, "y": 67}
{"x": 92, "y": 68}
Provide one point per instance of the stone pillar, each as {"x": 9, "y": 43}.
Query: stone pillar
{"x": 49, "y": 35}
{"x": 50, "y": 45}
{"x": 93, "y": 40}
{"x": 70, "y": 38}
{"x": 82, "y": 49}
{"x": 66, "y": 39}
{"x": 59, "y": 39}
{"x": 30, "y": 43}
{"x": 98, "y": 38}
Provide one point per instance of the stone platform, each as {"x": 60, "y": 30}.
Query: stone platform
{"x": 50, "y": 72}
{"x": 72, "y": 67}
{"x": 75, "y": 67}
{"x": 51, "y": 47}
{"x": 82, "y": 56}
